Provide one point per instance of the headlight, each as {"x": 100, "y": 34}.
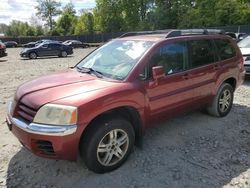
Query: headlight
{"x": 54, "y": 114}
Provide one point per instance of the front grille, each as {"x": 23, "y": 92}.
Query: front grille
{"x": 25, "y": 112}
{"x": 45, "y": 148}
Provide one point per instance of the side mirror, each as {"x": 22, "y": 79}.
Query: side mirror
{"x": 158, "y": 73}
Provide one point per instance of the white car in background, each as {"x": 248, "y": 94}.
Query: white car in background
{"x": 245, "y": 50}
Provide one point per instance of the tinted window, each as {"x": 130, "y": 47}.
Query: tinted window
{"x": 54, "y": 45}
{"x": 225, "y": 49}
{"x": 171, "y": 56}
{"x": 201, "y": 53}
{"x": 45, "y": 46}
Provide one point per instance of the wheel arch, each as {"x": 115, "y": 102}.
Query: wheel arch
{"x": 33, "y": 52}
{"x": 127, "y": 112}
{"x": 232, "y": 81}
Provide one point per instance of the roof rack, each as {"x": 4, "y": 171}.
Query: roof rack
{"x": 128, "y": 34}
{"x": 175, "y": 33}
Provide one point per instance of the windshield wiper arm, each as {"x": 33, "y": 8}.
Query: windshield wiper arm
{"x": 90, "y": 70}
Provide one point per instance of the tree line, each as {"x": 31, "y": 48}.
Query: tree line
{"x": 130, "y": 15}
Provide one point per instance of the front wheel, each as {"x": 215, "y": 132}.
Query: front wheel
{"x": 32, "y": 55}
{"x": 223, "y": 101}
{"x": 107, "y": 144}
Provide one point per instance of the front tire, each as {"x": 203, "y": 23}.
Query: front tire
{"x": 32, "y": 55}
{"x": 107, "y": 144}
{"x": 223, "y": 101}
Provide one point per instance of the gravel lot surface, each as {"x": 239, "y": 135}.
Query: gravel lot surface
{"x": 193, "y": 150}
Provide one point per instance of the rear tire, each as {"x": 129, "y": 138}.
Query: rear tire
{"x": 107, "y": 144}
{"x": 223, "y": 101}
{"x": 64, "y": 54}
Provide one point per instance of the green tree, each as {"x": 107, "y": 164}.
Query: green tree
{"x": 69, "y": 9}
{"x": 67, "y": 21}
{"x": 3, "y": 28}
{"x": 18, "y": 28}
{"x": 85, "y": 24}
{"x": 39, "y": 31}
{"x": 31, "y": 31}
{"x": 207, "y": 13}
{"x": 47, "y": 9}
{"x": 108, "y": 16}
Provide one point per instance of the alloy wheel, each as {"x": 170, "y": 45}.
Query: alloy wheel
{"x": 225, "y": 101}
{"x": 112, "y": 147}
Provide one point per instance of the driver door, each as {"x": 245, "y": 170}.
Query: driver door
{"x": 173, "y": 93}
{"x": 44, "y": 50}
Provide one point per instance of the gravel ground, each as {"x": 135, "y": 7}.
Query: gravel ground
{"x": 193, "y": 150}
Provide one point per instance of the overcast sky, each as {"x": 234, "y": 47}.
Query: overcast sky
{"x": 23, "y": 9}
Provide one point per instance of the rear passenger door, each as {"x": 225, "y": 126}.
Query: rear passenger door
{"x": 54, "y": 50}
{"x": 203, "y": 66}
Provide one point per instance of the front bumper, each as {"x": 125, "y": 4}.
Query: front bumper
{"x": 24, "y": 54}
{"x": 59, "y": 142}
{"x": 42, "y": 129}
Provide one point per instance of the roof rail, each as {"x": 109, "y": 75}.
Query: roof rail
{"x": 128, "y": 34}
{"x": 175, "y": 33}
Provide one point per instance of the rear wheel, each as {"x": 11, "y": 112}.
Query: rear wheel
{"x": 223, "y": 101}
{"x": 107, "y": 145}
{"x": 32, "y": 55}
{"x": 64, "y": 54}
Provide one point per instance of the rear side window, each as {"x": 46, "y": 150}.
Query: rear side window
{"x": 201, "y": 53}
{"x": 55, "y": 45}
{"x": 225, "y": 49}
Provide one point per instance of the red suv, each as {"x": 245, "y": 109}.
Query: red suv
{"x": 2, "y": 49}
{"x": 101, "y": 107}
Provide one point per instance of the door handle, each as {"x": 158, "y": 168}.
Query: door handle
{"x": 216, "y": 67}
{"x": 185, "y": 76}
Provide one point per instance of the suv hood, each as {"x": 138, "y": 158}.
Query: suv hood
{"x": 57, "y": 86}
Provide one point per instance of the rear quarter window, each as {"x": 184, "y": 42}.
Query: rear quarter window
{"x": 225, "y": 49}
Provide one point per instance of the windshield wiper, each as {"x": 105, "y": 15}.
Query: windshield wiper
{"x": 90, "y": 70}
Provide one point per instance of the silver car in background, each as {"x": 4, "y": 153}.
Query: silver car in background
{"x": 245, "y": 50}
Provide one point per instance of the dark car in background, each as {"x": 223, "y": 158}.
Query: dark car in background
{"x": 2, "y": 49}
{"x": 76, "y": 44}
{"x": 47, "y": 49}
{"x": 11, "y": 44}
{"x": 33, "y": 44}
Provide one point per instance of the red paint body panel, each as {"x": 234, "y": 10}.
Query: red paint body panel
{"x": 65, "y": 147}
{"x": 92, "y": 96}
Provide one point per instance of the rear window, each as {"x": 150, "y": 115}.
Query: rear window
{"x": 201, "y": 53}
{"x": 225, "y": 49}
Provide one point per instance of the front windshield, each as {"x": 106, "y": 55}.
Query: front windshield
{"x": 115, "y": 59}
{"x": 245, "y": 43}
